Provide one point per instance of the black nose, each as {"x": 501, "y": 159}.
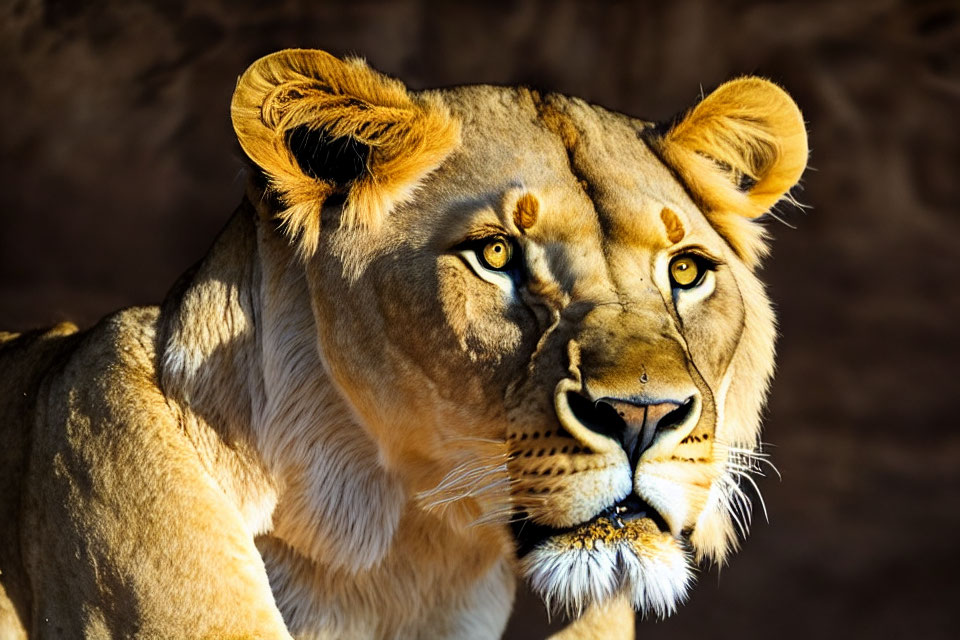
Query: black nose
{"x": 635, "y": 425}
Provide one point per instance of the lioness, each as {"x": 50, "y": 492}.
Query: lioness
{"x": 447, "y": 339}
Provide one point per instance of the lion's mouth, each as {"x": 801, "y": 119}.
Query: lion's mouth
{"x": 627, "y": 513}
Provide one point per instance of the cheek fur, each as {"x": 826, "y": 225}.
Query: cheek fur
{"x": 712, "y": 324}
{"x": 482, "y": 321}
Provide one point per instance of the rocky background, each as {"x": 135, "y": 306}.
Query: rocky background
{"x": 117, "y": 168}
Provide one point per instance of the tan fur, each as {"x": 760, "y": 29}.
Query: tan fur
{"x": 613, "y": 620}
{"x": 324, "y": 431}
{"x": 748, "y": 127}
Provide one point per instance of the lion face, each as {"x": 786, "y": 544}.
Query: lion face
{"x": 542, "y": 312}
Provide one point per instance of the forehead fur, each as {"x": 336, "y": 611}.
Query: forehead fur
{"x": 592, "y": 173}
{"x": 672, "y": 225}
{"x": 726, "y": 162}
{"x": 526, "y": 211}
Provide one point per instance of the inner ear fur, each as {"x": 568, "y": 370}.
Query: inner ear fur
{"x": 739, "y": 151}
{"x": 317, "y": 125}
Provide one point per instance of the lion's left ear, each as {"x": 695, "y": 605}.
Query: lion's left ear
{"x": 739, "y": 151}
{"x": 317, "y": 125}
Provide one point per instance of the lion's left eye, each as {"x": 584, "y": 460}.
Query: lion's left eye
{"x": 687, "y": 270}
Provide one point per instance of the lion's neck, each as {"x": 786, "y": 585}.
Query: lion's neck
{"x": 210, "y": 366}
{"x": 241, "y": 365}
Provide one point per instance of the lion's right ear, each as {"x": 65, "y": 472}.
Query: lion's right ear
{"x": 317, "y": 125}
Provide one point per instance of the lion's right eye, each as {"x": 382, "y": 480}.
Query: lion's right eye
{"x": 496, "y": 254}
{"x": 496, "y": 259}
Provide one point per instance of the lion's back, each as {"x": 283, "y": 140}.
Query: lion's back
{"x": 25, "y": 358}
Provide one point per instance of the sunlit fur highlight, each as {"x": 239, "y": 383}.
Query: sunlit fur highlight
{"x": 408, "y": 135}
{"x": 746, "y": 128}
{"x": 281, "y": 409}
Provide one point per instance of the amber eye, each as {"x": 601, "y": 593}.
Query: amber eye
{"x": 685, "y": 272}
{"x": 496, "y": 254}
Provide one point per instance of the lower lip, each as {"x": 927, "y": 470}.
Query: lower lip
{"x": 629, "y": 510}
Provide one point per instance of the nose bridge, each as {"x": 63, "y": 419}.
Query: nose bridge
{"x": 632, "y": 351}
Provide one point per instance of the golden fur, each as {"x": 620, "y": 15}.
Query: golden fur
{"x": 409, "y": 135}
{"x": 328, "y": 426}
{"x": 747, "y": 128}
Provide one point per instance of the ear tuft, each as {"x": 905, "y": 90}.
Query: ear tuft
{"x": 317, "y": 125}
{"x": 739, "y": 152}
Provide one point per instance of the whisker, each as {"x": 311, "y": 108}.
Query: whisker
{"x": 756, "y": 489}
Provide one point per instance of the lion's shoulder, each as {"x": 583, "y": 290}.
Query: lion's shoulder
{"x": 47, "y": 369}
{"x": 26, "y": 357}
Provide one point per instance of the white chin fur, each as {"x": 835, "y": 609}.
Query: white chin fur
{"x": 570, "y": 580}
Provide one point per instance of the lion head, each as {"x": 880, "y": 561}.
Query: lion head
{"x": 544, "y": 314}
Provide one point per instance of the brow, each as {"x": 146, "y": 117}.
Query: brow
{"x": 673, "y": 225}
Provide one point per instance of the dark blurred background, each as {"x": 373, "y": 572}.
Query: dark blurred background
{"x": 118, "y": 166}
